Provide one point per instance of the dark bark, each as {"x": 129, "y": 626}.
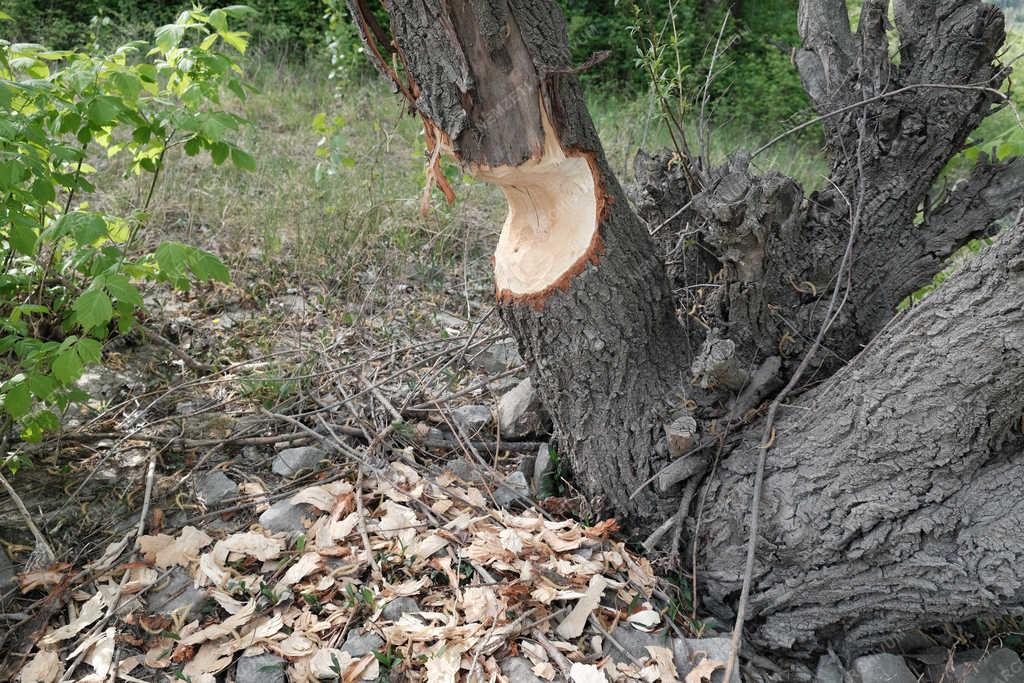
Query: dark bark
{"x": 892, "y": 496}
{"x": 602, "y": 341}
{"x": 897, "y": 477}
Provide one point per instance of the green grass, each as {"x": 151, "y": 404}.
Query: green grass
{"x": 306, "y": 219}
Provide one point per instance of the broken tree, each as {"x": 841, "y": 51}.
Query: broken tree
{"x": 891, "y": 480}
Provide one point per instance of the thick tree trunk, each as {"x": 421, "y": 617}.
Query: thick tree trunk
{"x": 579, "y": 282}
{"x": 892, "y": 498}
{"x": 890, "y": 501}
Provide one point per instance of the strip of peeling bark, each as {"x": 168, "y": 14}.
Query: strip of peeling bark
{"x": 892, "y": 496}
{"x": 578, "y": 280}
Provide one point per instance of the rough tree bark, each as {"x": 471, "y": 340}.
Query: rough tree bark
{"x": 896, "y": 477}
{"x": 578, "y": 280}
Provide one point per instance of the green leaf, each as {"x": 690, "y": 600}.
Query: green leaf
{"x": 121, "y": 289}
{"x": 242, "y": 159}
{"x": 11, "y": 173}
{"x": 43, "y": 191}
{"x": 240, "y": 11}
{"x": 85, "y": 227}
{"x": 18, "y": 400}
{"x": 218, "y": 19}
{"x": 93, "y": 308}
{"x": 89, "y": 351}
{"x": 219, "y": 152}
{"x": 67, "y": 366}
{"x": 127, "y": 83}
{"x": 235, "y": 39}
{"x": 206, "y": 266}
{"x": 103, "y": 110}
{"x": 23, "y": 239}
{"x": 168, "y": 37}
{"x": 172, "y": 259}
{"x": 41, "y": 385}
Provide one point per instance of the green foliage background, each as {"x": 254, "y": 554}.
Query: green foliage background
{"x": 754, "y": 83}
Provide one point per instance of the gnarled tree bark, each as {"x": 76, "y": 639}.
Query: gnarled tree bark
{"x": 897, "y": 476}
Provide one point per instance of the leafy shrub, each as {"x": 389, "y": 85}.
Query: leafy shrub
{"x": 68, "y": 274}
{"x": 295, "y": 26}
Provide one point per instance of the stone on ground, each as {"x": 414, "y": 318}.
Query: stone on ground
{"x": 882, "y": 668}
{"x": 265, "y": 668}
{"x": 358, "y": 644}
{"x": 698, "y": 649}
{"x": 465, "y": 470}
{"x": 998, "y": 666}
{"x": 512, "y": 490}
{"x": 214, "y": 487}
{"x": 286, "y": 517}
{"x": 520, "y": 412}
{"x": 828, "y": 671}
{"x": 498, "y": 357}
{"x": 543, "y": 469}
{"x": 398, "y": 607}
{"x": 176, "y": 592}
{"x": 520, "y": 670}
{"x": 472, "y": 419}
{"x": 291, "y": 461}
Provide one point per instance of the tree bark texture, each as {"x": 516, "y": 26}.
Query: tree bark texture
{"x": 892, "y": 489}
{"x": 602, "y": 340}
{"x": 892, "y": 497}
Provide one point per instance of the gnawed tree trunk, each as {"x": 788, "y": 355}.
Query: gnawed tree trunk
{"x": 890, "y": 500}
{"x": 578, "y": 280}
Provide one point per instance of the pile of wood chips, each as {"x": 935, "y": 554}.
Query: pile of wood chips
{"x": 489, "y": 584}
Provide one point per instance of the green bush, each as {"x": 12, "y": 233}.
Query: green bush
{"x": 68, "y": 273}
{"x": 293, "y": 26}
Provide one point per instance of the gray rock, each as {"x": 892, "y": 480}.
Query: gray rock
{"x": 358, "y": 644}
{"x": 214, "y": 487}
{"x": 266, "y": 668}
{"x": 634, "y": 642}
{"x": 176, "y": 592}
{"x": 697, "y": 650}
{"x": 449, "y": 321}
{"x": 8, "y": 574}
{"x": 998, "y": 666}
{"x": 512, "y": 490}
{"x": 828, "y": 671}
{"x": 465, "y": 470}
{"x": 394, "y": 610}
{"x": 882, "y": 668}
{"x": 543, "y": 469}
{"x": 520, "y": 412}
{"x": 291, "y": 461}
{"x": 286, "y": 517}
{"x": 498, "y": 357}
{"x": 472, "y": 419}
{"x": 520, "y": 670}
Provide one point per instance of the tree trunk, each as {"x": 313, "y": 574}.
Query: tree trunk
{"x": 892, "y": 499}
{"x": 579, "y": 282}
{"x": 891, "y": 487}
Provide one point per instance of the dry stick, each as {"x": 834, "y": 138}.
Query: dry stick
{"x": 611, "y": 639}
{"x": 45, "y": 552}
{"x": 704, "y": 130}
{"x": 768, "y": 436}
{"x": 188, "y": 360}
